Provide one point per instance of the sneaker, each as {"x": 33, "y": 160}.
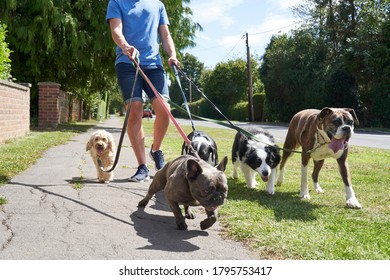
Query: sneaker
{"x": 158, "y": 158}
{"x": 141, "y": 175}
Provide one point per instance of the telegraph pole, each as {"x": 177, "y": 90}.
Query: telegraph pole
{"x": 250, "y": 87}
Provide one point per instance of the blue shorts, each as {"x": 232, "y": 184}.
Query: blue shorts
{"x": 125, "y": 73}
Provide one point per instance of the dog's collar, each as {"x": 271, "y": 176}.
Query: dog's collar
{"x": 318, "y": 142}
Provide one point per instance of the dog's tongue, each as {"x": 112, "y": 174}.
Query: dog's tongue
{"x": 100, "y": 150}
{"x": 336, "y": 144}
{"x": 264, "y": 178}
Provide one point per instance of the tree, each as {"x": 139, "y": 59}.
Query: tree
{"x": 338, "y": 58}
{"x": 227, "y": 84}
{"x": 5, "y": 66}
{"x": 69, "y": 42}
{"x": 193, "y": 69}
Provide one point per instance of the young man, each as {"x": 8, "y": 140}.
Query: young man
{"x": 137, "y": 26}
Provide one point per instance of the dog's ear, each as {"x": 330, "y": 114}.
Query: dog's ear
{"x": 193, "y": 169}
{"x": 274, "y": 158}
{"x": 222, "y": 165}
{"x": 89, "y": 144}
{"x": 324, "y": 112}
{"x": 354, "y": 116}
{"x": 111, "y": 143}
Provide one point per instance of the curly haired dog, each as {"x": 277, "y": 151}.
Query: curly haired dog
{"x": 101, "y": 146}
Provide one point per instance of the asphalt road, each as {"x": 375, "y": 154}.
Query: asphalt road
{"x": 360, "y": 138}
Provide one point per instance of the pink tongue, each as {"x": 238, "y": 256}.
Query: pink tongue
{"x": 265, "y": 179}
{"x": 336, "y": 144}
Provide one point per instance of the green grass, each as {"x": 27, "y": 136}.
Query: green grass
{"x": 18, "y": 154}
{"x": 281, "y": 226}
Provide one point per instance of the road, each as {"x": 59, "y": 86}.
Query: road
{"x": 360, "y": 138}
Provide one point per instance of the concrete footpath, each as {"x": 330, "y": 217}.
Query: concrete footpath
{"x": 47, "y": 218}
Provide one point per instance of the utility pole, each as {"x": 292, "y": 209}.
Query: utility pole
{"x": 250, "y": 87}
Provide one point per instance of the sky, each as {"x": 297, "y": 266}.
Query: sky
{"x": 225, "y": 23}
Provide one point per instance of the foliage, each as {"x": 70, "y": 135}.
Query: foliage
{"x": 69, "y": 42}
{"x": 228, "y": 83}
{"x": 5, "y": 66}
{"x": 258, "y": 106}
{"x": 238, "y": 112}
{"x": 193, "y": 68}
{"x": 340, "y": 57}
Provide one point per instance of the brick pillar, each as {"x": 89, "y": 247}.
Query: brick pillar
{"x": 49, "y": 104}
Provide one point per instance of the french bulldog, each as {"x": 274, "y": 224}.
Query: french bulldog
{"x": 190, "y": 181}
{"x": 321, "y": 134}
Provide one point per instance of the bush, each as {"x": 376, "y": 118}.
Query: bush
{"x": 5, "y": 66}
{"x": 258, "y": 106}
{"x": 239, "y": 112}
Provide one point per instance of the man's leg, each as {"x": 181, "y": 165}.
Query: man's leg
{"x": 135, "y": 131}
{"x": 161, "y": 123}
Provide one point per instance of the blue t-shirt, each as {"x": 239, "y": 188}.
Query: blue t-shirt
{"x": 140, "y": 22}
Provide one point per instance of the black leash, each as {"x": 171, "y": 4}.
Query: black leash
{"x": 183, "y": 95}
{"x": 230, "y": 124}
{"x": 123, "y": 130}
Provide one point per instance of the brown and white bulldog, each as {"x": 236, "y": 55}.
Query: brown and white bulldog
{"x": 190, "y": 181}
{"x": 321, "y": 134}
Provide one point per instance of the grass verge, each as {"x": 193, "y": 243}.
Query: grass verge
{"x": 283, "y": 226}
{"x": 18, "y": 154}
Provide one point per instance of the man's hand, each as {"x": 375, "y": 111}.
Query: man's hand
{"x": 132, "y": 53}
{"x": 173, "y": 60}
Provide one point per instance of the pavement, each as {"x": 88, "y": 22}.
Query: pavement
{"x": 47, "y": 217}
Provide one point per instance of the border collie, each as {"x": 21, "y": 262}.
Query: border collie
{"x": 204, "y": 145}
{"x": 253, "y": 157}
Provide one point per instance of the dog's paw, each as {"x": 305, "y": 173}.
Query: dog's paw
{"x": 270, "y": 190}
{"x": 189, "y": 215}
{"x": 353, "y": 203}
{"x": 304, "y": 195}
{"x": 143, "y": 202}
{"x": 318, "y": 188}
{"x": 205, "y": 224}
{"x": 182, "y": 226}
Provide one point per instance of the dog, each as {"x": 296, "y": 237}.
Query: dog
{"x": 204, "y": 145}
{"x": 321, "y": 134}
{"x": 190, "y": 181}
{"x": 101, "y": 146}
{"x": 253, "y": 157}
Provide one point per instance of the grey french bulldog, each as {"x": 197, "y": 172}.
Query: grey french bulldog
{"x": 190, "y": 181}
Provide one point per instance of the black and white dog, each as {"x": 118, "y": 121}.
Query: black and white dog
{"x": 204, "y": 145}
{"x": 253, "y": 157}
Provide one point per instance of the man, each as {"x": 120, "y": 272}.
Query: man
{"x": 137, "y": 26}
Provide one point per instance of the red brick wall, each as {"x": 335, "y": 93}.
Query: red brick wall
{"x": 49, "y": 104}
{"x": 54, "y": 106}
{"x": 14, "y": 110}
{"x": 77, "y": 110}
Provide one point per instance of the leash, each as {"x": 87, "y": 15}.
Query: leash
{"x": 163, "y": 103}
{"x": 229, "y": 124}
{"x": 122, "y": 132}
{"x": 184, "y": 96}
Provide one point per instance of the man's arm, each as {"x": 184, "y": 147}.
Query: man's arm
{"x": 119, "y": 39}
{"x": 168, "y": 44}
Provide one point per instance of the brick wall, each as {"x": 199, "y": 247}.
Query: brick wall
{"x": 54, "y": 106}
{"x": 14, "y": 110}
{"x": 77, "y": 110}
